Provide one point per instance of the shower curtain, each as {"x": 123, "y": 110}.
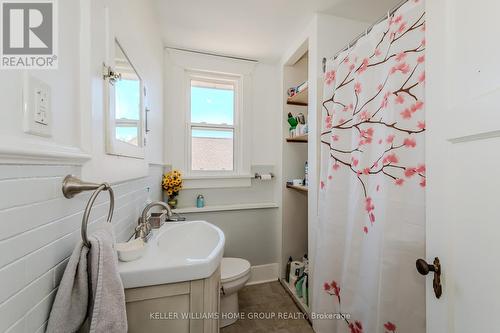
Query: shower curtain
{"x": 372, "y": 183}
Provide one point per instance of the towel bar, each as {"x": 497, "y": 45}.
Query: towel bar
{"x": 72, "y": 186}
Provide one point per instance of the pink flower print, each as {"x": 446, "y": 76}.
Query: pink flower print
{"x": 377, "y": 52}
{"x": 409, "y": 172}
{"x": 402, "y": 27}
{"x": 380, "y": 87}
{"x": 330, "y": 77}
{"x": 351, "y": 67}
{"x": 399, "y": 99}
{"x": 328, "y": 122}
{"x": 409, "y": 143}
{"x": 335, "y": 167}
{"x": 421, "y": 169}
{"x": 322, "y": 184}
{"x": 421, "y": 125}
{"x": 398, "y": 19}
{"x": 406, "y": 114}
{"x": 364, "y": 116}
{"x": 401, "y": 56}
{"x": 372, "y": 218}
{"x": 421, "y": 77}
{"x": 423, "y": 27}
{"x": 366, "y": 171}
{"x": 421, "y": 59}
{"x": 385, "y": 100}
{"x": 332, "y": 289}
{"x": 351, "y": 106}
{"x": 417, "y": 106}
{"x": 335, "y": 137}
{"x": 423, "y": 182}
{"x": 357, "y": 87}
{"x": 399, "y": 181}
{"x": 391, "y": 158}
{"x": 365, "y": 229}
{"x": 364, "y": 66}
{"x": 330, "y": 177}
{"x": 380, "y": 141}
{"x": 390, "y": 138}
{"x": 356, "y": 327}
{"x": 422, "y": 43}
{"x": 341, "y": 121}
{"x": 346, "y": 60}
{"x": 390, "y": 327}
{"x": 369, "y": 207}
{"x": 354, "y": 161}
{"x": 345, "y": 108}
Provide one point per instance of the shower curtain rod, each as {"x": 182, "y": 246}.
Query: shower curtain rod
{"x": 355, "y": 39}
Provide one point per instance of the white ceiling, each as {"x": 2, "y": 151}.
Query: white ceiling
{"x": 255, "y": 29}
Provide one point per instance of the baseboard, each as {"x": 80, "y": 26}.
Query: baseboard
{"x": 263, "y": 273}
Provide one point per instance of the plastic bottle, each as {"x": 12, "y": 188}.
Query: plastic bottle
{"x": 287, "y": 277}
{"x": 306, "y": 176}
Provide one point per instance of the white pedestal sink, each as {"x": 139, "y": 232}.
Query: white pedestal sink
{"x": 178, "y": 251}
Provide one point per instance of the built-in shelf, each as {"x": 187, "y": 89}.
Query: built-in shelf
{"x": 299, "y": 98}
{"x": 299, "y": 301}
{"x": 219, "y": 208}
{"x": 300, "y": 188}
{"x": 298, "y": 138}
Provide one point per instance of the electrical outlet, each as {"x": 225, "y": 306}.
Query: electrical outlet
{"x": 37, "y": 107}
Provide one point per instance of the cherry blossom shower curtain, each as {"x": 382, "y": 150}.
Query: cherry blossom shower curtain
{"x": 372, "y": 187}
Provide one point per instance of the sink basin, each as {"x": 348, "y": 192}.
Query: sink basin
{"x": 182, "y": 251}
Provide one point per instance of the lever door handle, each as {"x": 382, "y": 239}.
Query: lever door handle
{"x": 424, "y": 268}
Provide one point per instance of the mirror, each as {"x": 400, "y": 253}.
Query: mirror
{"x": 126, "y": 106}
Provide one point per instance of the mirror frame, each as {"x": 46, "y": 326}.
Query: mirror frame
{"x": 113, "y": 145}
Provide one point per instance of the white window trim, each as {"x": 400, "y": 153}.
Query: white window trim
{"x": 238, "y": 151}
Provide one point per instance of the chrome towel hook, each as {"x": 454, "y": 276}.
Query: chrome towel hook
{"x": 72, "y": 186}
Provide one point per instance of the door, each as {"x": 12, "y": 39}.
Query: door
{"x": 463, "y": 164}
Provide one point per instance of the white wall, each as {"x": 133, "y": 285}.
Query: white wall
{"x": 251, "y": 234}
{"x": 38, "y": 227}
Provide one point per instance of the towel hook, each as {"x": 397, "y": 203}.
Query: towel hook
{"x": 72, "y": 186}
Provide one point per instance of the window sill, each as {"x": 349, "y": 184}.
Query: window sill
{"x": 216, "y": 181}
{"x": 220, "y": 208}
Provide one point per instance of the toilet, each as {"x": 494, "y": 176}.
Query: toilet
{"x": 235, "y": 272}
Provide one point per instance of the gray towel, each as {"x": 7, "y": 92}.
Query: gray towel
{"x": 72, "y": 311}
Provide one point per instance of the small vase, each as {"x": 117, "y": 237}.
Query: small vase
{"x": 172, "y": 203}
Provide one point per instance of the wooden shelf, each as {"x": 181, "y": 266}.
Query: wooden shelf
{"x": 299, "y": 301}
{"x": 298, "y": 138}
{"x": 300, "y": 188}
{"x": 299, "y": 98}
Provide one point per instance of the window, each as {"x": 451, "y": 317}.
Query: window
{"x": 212, "y": 127}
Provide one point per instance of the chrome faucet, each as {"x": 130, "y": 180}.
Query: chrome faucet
{"x": 143, "y": 229}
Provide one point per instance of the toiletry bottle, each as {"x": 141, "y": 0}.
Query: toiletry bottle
{"x": 200, "y": 201}
{"x": 306, "y": 176}
{"x": 287, "y": 276}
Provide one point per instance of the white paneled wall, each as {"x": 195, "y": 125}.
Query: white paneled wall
{"x": 39, "y": 229}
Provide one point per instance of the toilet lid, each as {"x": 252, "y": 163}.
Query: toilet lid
{"x": 234, "y": 268}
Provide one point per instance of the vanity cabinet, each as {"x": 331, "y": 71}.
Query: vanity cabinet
{"x": 183, "y": 307}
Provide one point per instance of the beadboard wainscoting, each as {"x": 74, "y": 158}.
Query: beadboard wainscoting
{"x": 39, "y": 229}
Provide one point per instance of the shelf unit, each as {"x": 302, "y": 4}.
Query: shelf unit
{"x": 300, "y": 188}
{"x": 300, "y": 98}
{"x": 294, "y": 156}
{"x": 299, "y": 301}
{"x": 298, "y": 138}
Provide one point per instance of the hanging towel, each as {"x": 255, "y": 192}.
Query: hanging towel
{"x": 103, "y": 309}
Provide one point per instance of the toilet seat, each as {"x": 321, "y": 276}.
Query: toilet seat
{"x": 233, "y": 269}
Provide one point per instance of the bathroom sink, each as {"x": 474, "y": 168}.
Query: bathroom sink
{"x": 178, "y": 251}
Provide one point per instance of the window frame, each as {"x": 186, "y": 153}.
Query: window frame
{"x": 216, "y": 78}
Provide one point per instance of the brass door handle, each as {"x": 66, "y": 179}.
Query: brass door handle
{"x": 424, "y": 268}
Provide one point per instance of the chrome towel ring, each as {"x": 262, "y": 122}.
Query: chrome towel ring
{"x": 73, "y": 185}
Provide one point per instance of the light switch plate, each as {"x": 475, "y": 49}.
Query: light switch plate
{"x": 37, "y": 119}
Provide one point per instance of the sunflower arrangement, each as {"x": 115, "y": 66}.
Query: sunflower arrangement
{"x": 172, "y": 183}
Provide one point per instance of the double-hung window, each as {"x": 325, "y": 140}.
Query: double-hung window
{"x": 212, "y": 127}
